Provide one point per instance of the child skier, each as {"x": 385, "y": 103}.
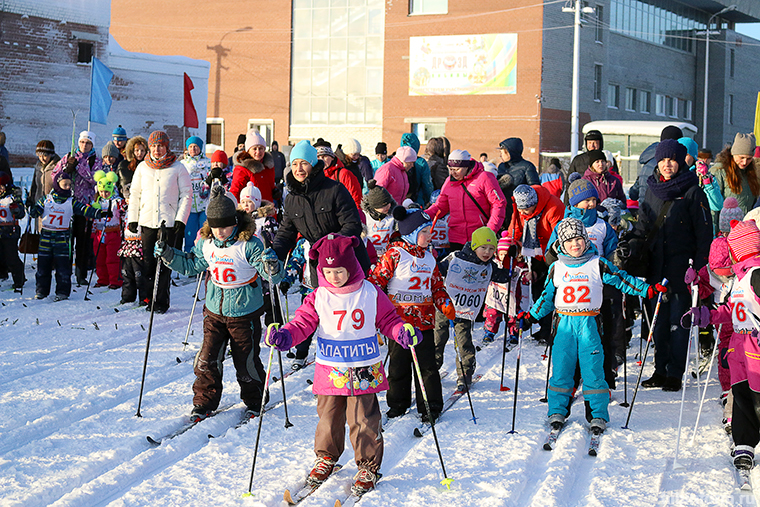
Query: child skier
{"x": 234, "y": 258}
{"x": 197, "y": 166}
{"x": 408, "y": 273}
{"x": 574, "y": 289}
{"x": 519, "y": 287}
{"x": 377, "y": 205}
{"x": 11, "y": 211}
{"x": 133, "y": 283}
{"x": 57, "y": 210}
{"x": 106, "y": 233}
{"x": 345, "y": 310}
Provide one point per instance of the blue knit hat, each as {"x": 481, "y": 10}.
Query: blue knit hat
{"x": 194, "y": 140}
{"x": 410, "y": 222}
{"x": 691, "y": 146}
{"x": 304, "y": 151}
{"x": 525, "y": 196}
{"x": 580, "y": 190}
{"x": 119, "y": 133}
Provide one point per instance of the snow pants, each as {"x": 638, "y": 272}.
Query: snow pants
{"x": 364, "y": 426}
{"x": 81, "y": 234}
{"x": 53, "y": 254}
{"x": 613, "y": 332}
{"x": 463, "y": 336}
{"x": 578, "y": 342}
{"x": 149, "y": 238}
{"x": 243, "y": 335}
{"x": 401, "y": 371}
{"x": 107, "y": 264}
{"x": 670, "y": 339}
{"x": 133, "y": 281}
{"x": 9, "y": 254}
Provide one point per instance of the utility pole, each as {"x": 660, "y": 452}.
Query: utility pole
{"x": 576, "y": 9}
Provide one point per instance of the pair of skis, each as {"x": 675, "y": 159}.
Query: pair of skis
{"x": 307, "y": 490}
{"x": 422, "y": 428}
{"x": 593, "y": 446}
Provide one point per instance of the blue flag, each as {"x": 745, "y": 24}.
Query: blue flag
{"x": 100, "y": 99}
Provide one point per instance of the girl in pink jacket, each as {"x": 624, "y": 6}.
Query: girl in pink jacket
{"x": 345, "y": 312}
{"x": 392, "y": 176}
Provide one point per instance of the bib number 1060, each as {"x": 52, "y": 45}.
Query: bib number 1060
{"x": 467, "y": 300}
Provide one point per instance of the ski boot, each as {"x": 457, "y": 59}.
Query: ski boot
{"x": 199, "y": 413}
{"x": 298, "y": 364}
{"x": 597, "y": 426}
{"x": 744, "y": 457}
{"x": 323, "y": 467}
{"x": 364, "y": 481}
{"x": 488, "y": 337}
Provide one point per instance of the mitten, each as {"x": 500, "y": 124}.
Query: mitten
{"x": 655, "y": 290}
{"x": 408, "y": 336}
{"x": 527, "y": 320}
{"x": 281, "y": 339}
{"x": 179, "y": 228}
{"x": 698, "y": 316}
{"x": 132, "y": 226}
{"x": 71, "y": 165}
{"x": 448, "y": 310}
{"x": 690, "y": 276}
{"x": 271, "y": 261}
{"x": 284, "y": 287}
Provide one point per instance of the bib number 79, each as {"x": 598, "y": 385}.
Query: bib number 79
{"x": 357, "y": 316}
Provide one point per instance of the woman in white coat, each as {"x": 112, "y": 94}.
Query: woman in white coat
{"x": 161, "y": 191}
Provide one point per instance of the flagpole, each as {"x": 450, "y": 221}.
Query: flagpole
{"x": 89, "y": 112}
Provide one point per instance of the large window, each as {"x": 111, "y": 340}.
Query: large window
{"x": 428, "y": 6}
{"x": 660, "y": 105}
{"x": 599, "y": 27}
{"x": 84, "y": 52}
{"x": 428, "y": 130}
{"x": 673, "y": 27}
{"x": 215, "y": 131}
{"x": 337, "y": 60}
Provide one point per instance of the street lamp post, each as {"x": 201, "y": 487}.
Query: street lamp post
{"x": 707, "y": 65}
{"x": 576, "y": 9}
{"x": 221, "y": 52}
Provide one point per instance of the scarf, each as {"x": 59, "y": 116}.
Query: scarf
{"x": 531, "y": 246}
{"x": 673, "y": 188}
{"x": 163, "y": 162}
{"x": 586, "y": 256}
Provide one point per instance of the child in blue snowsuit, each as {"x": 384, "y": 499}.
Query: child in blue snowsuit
{"x": 574, "y": 290}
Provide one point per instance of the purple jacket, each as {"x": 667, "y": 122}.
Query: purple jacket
{"x": 606, "y": 185}
{"x": 82, "y": 184}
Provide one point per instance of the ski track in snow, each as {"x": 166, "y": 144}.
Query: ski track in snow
{"x": 70, "y": 436}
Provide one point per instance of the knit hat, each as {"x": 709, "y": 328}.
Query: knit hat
{"x": 505, "y": 242}
{"x": 483, "y": 236}
{"x": 595, "y": 155}
{"x": 217, "y": 173}
{"x": 525, "y": 196}
{"x": 719, "y": 258}
{"x": 106, "y": 181}
{"x": 460, "y": 158}
{"x": 569, "y": 228}
{"x": 110, "y": 150}
{"x": 614, "y": 209}
{"x": 194, "y": 140}
{"x": 730, "y": 211}
{"x": 744, "y": 144}
{"x": 336, "y": 251}
{"x": 324, "y": 148}
{"x": 670, "y": 148}
{"x": 744, "y": 240}
{"x": 580, "y": 190}
{"x": 377, "y": 196}
{"x": 381, "y": 149}
{"x": 690, "y": 145}
{"x": 410, "y": 222}
{"x": 240, "y": 140}
{"x": 671, "y": 132}
{"x": 405, "y": 154}
{"x": 45, "y": 146}
{"x": 573, "y": 177}
{"x": 252, "y": 193}
{"x": 63, "y": 175}
{"x": 304, "y": 151}
{"x": 220, "y": 211}
{"x": 87, "y": 135}
{"x": 158, "y": 137}
{"x": 352, "y": 146}
{"x": 5, "y": 179}
{"x": 253, "y": 138}
{"x": 219, "y": 156}
{"x": 119, "y": 134}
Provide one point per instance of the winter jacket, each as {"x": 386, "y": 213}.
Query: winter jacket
{"x": 159, "y": 194}
{"x": 82, "y": 184}
{"x": 589, "y": 219}
{"x": 361, "y": 168}
{"x": 392, "y": 177}
{"x": 685, "y": 234}
{"x": 338, "y": 172}
{"x": 227, "y": 302}
{"x": 245, "y": 171}
{"x": 334, "y": 381}
{"x": 521, "y": 170}
{"x": 279, "y": 164}
{"x": 420, "y": 316}
{"x": 123, "y": 170}
{"x": 12, "y": 210}
{"x": 437, "y": 154}
{"x": 648, "y": 165}
{"x": 745, "y": 197}
{"x": 198, "y": 168}
{"x": 606, "y": 185}
{"x": 553, "y": 180}
{"x": 424, "y": 182}
{"x": 42, "y": 182}
{"x": 498, "y": 274}
{"x": 549, "y": 211}
{"x": 465, "y": 216}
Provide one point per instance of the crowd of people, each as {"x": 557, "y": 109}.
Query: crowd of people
{"x": 408, "y": 248}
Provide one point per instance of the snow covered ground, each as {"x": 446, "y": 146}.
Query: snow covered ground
{"x": 69, "y": 435}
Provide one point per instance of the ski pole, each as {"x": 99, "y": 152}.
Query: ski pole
{"x": 461, "y": 368}
{"x": 506, "y": 328}
{"x": 625, "y": 364}
{"x": 192, "y": 311}
{"x": 97, "y": 252}
{"x": 692, "y": 336}
{"x": 646, "y": 351}
{"x": 707, "y": 381}
{"x": 261, "y": 412}
{"x": 275, "y": 296}
{"x": 644, "y": 316}
{"x": 446, "y": 480}
{"x": 517, "y": 375}
{"x": 161, "y": 236}
{"x": 23, "y": 272}
{"x": 545, "y": 399}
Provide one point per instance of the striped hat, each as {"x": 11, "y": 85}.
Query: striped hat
{"x": 730, "y": 212}
{"x": 569, "y": 228}
{"x": 744, "y": 240}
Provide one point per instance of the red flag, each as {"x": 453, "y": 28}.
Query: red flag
{"x": 191, "y": 116}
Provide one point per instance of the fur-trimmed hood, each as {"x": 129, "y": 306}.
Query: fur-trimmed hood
{"x": 374, "y": 214}
{"x": 244, "y": 159}
{"x": 267, "y": 209}
{"x": 246, "y": 228}
{"x": 129, "y": 150}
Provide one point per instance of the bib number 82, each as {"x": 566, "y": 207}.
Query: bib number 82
{"x": 578, "y": 294}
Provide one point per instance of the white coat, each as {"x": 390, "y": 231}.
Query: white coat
{"x": 160, "y": 194}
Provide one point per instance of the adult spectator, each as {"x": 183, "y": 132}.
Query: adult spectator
{"x": 119, "y": 138}
{"x": 735, "y": 172}
{"x": 593, "y": 140}
{"x": 279, "y": 161}
{"x": 315, "y": 206}
{"x": 160, "y": 192}
{"x": 239, "y": 146}
{"x": 392, "y": 175}
{"x": 420, "y": 183}
{"x": 4, "y": 152}
{"x": 381, "y": 156}
{"x": 335, "y": 170}
{"x": 649, "y": 163}
{"x": 256, "y": 165}
{"x": 81, "y": 165}
{"x": 42, "y": 181}
{"x": 356, "y": 162}
{"x": 134, "y": 153}
{"x": 437, "y": 155}
{"x": 483, "y": 157}
{"x": 471, "y": 197}
{"x": 683, "y": 233}
{"x": 521, "y": 170}
{"x": 599, "y": 175}
{"x": 553, "y": 179}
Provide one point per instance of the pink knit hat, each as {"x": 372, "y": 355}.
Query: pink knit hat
{"x": 406, "y": 154}
{"x": 505, "y": 242}
{"x": 336, "y": 251}
{"x": 744, "y": 240}
{"x": 719, "y": 259}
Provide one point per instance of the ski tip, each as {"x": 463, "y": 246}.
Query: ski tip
{"x": 338, "y": 503}
{"x": 288, "y": 497}
{"x": 417, "y": 433}
{"x": 504, "y": 388}
{"x": 153, "y": 441}
{"x": 547, "y": 447}
{"x": 592, "y": 452}
{"x": 447, "y": 482}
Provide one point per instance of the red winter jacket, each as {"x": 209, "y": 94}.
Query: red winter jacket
{"x": 339, "y": 173}
{"x": 551, "y": 211}
{"x": 245, "y": 171}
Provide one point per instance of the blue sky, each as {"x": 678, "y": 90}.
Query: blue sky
{"x": 751, "y": 29}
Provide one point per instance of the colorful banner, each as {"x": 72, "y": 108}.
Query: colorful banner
{"x": 484, "y": 64}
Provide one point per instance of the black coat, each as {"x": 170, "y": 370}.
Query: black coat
{"x": 685, "y": 234}
{"x": 315, "y": 208}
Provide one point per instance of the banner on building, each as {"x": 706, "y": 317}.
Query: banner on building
{"x": 484, "y": 64}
